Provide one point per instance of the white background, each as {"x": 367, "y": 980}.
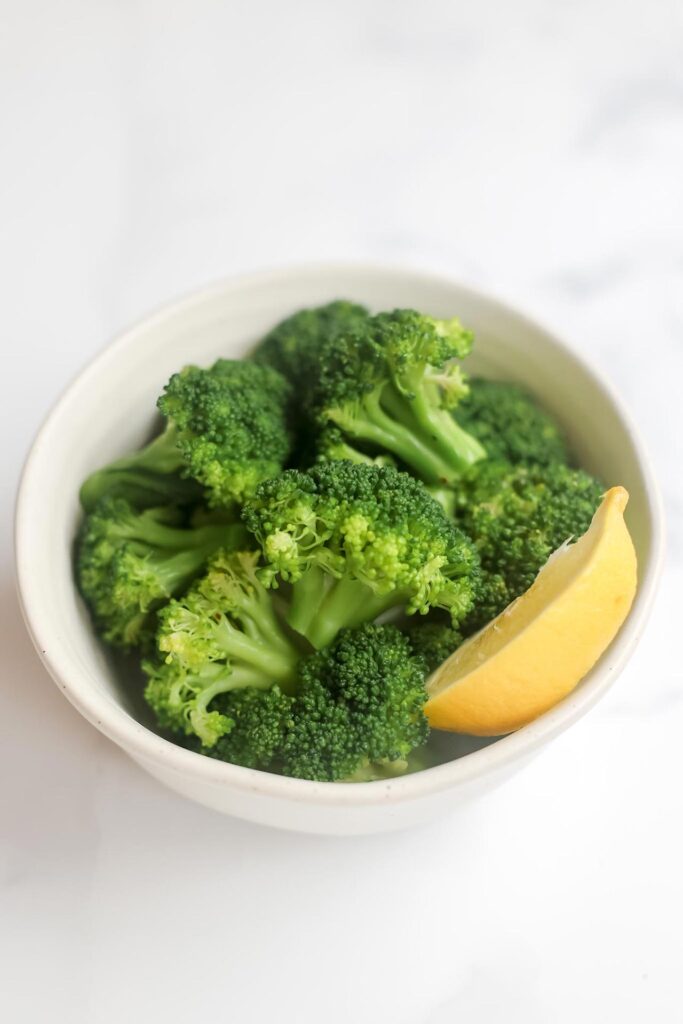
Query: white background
{"x": 534, "y": 148}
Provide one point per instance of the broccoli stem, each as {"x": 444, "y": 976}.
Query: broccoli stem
{"x": 263, "y": 647}
{"x": 385, "y": 431}
{"x": 145, "y": 529}
{"x": 176, "y": 571}
{"x": 450, "y": 439}
{"x": 225, "y": 683}
{"x": 451, "y": 448}
{"x": 151, "y": 471}
{"x": 231, "y": 680}
{"x": 307, "y": 596}
{"x": 348, "y": 603}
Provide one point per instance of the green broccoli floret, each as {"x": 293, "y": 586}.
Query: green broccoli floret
{"x": 517, "y": 516}
{"x": 433, "y": 640}
{"x": 224, "y": 634}
{"x": 356, "y": 540}
{"x": 128, "y": 563}
{"x": 359, "y": 704}
{"x": 356, "y": 716}
{"x": 292, "y": 346}
{"x": 259, "y": 721}
{"x": 390, "y": 387}
{"x": 226, "y": 431}
{"x": 510, "y": 425}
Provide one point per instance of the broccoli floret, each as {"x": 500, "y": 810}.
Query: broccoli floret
{"x": 517, "y": 516}
{"x": 259, "y": 720}
{"x": 390, "y": 387}
{"x": 226, "y": 431}
{"x": 510, "y": 425}
{"x": 356, "y": 540}
{"x": 433, "y": 640}
{"x": 356, "y": 715}
{"x": 129, "y": 562}
{"x": 292, "y": 346}
{"x": 359, "y": 704}
{"x": 224, "y": 634}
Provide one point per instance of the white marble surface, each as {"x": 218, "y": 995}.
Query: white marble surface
{"x": 534, "y": 148}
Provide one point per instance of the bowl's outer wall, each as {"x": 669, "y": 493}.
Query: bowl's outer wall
{"x": 109, "y": 410}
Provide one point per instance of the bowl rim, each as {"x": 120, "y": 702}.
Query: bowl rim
{"x": 141, "y": 743}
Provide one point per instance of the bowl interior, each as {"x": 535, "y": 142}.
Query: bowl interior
{"x": 110, "y": 409}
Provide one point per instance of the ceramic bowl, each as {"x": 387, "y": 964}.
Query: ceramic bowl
{"x": 109, "y": 409}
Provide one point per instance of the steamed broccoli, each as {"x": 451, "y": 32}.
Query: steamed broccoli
{"x": 360, "y": 702}
{"x": 226, "y": 431}
{"x": 356, "y": 540}
{"x": 292, "y": 346}
{"x": 224, "y": 634}
{"x": 517, "y": 516}
{"x": 510, "y": 425}
{"x": 332, "y": 446}
{"x": 129, "y": 562}
{"x": 390, "y": 387}
{"x": 434, "y": 640}
{"x": 356, "y": 714}
{"x": 259, "y": 719}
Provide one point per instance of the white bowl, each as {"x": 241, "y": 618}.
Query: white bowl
{"x": 109, "y": 409}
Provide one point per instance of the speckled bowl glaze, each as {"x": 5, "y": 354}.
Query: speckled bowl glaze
{"x": 109, "y": 408}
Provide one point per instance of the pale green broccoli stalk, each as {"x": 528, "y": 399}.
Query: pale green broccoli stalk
{"x": 355, "y": 541}
{"x": 227, "y": 429}
{"x": 128, "y": 563}
{"x": 391, "y": 387}
{"x": 332, "y": 446}
{"x": 510, "y": 425}
{"x": 224, "y": 634}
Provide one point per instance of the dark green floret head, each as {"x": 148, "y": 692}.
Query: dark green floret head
{"x": 226, "y": 430}
{"x": 231, "y": 425}
{"x": 292, "y": 346}
{"x": 258, "y": 722}
{"x": 510, "y": 425}
{"x": 433, "y": 639}
{"x": 517, "y": 516}
{"x": 360, "y": 703}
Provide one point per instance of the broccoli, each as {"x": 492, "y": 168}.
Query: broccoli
{"x": 356, "y": 540}
{"x": 129, "y": 562}
{"x": 360, "y": 702}
{"x": 332, "y": 446}
{"x": 258, "y": 721}
{"x": 390, "y": 387}
{"x": 509, "y": 424}
{"x": 226, "y": 431}
{"x": 356, "y": 714}
{"x": 292, "y": 346}
{"x": 224, "y": 634}
{"x": 517, "y": 516}
{"x": 433, "y": 640}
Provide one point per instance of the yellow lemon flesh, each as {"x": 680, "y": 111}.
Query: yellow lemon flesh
{"x": 537, "y": 650}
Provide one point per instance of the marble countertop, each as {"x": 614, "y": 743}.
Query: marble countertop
{"x": 535, "y": 149}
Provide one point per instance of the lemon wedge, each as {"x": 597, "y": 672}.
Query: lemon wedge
{"x": 537, "y": 650}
